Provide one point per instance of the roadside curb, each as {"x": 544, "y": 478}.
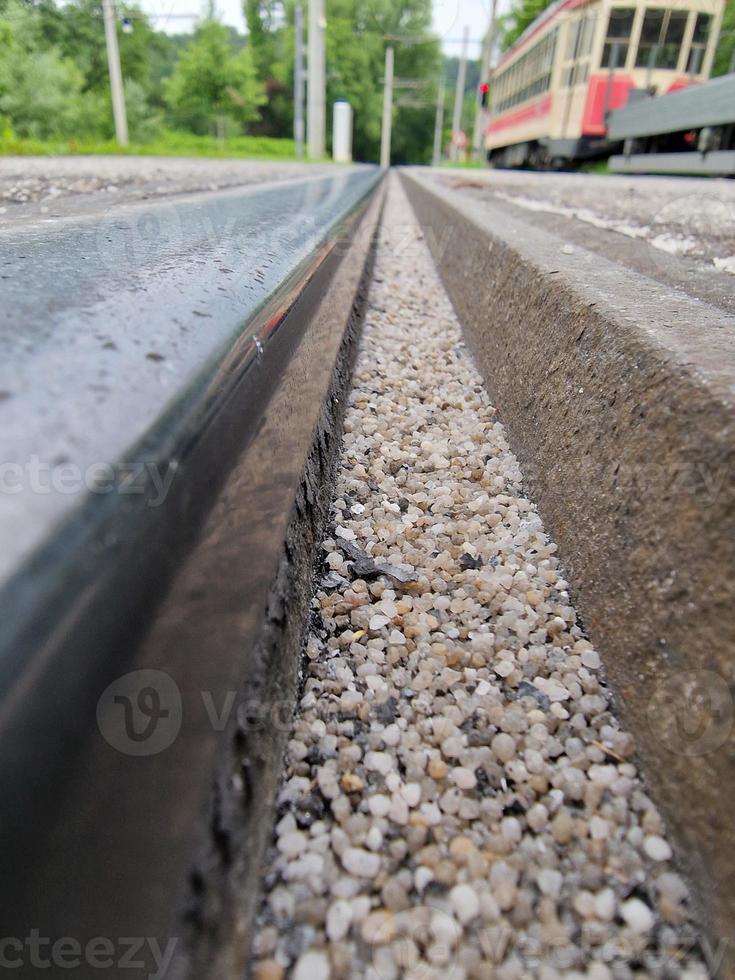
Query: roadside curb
{"x": 619, "y": 397}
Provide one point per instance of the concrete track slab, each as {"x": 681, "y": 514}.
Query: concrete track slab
{"x": 618, "y": 392}
{"x": 689, "y": 218}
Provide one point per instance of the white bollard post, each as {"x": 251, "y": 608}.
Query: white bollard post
{"x": 342, "y": 132}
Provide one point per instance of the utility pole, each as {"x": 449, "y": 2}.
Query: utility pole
{"x": 298, "y": 82}
{"x": 316, "y": 82}
{"x": 485, "y": 68}
{"x": 113, "y": 63}
{"x": 387, "y": 109}
{"x": 459, "y": 92}
{"x": 438, "y": 124}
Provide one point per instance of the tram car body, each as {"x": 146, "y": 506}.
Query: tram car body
{"x": 551, "y": 93}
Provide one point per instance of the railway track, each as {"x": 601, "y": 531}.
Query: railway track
{"x": 177, "y": 362}
{"x": 201, "y": 576}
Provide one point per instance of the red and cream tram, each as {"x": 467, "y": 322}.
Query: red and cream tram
{"x": 552, "y": 90}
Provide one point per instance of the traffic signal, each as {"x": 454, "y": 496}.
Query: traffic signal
{"x": 484, "y": 93}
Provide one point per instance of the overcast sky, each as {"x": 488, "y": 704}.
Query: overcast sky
{"x": 450, "y": 17}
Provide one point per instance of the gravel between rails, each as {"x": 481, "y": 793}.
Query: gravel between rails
{"x": 459, "y": 800}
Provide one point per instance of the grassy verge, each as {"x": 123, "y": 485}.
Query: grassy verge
{"x": 597, "y": 167}
{"x": 594, "y": 167}
{"x": 168, "y": 144}
{"x": 464, "y": 164}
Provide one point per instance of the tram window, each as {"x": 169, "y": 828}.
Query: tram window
{"x": 701, "y": 29}
{"x": 572, "y": 39}
{"x": 530, "y": 75}
{"x": 549, "y": 53}
{"x": 653, "y": 23}
{"x": 618, "y": 37}
{"x": 661, "y": 38}
{"x": 588, "y": 30}
{"x": 673, "y": 39}
{"x": 579, "y": 46}
{"x": 699, "y": 43}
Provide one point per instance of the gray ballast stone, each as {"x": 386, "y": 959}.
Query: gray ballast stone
{"x": 618, "y": 394}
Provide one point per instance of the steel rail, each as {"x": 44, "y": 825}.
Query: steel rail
{"x": 171, "y": 338}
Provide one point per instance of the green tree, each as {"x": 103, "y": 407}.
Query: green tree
{"x": 271, "y": 40}
{"x": 356, "y": 42}
{"x": 726, "y": 46}
{"x": 265, "y": 20}
{"x": 211, "y": 84}
{"x": 76, "y": 29}
{"x": 417, "y": 62}
{"x": 41, "y": 92}
{"x": 357, "y": 35}
{"x": 522, "y": 13}
{"x": 355, "y": 55}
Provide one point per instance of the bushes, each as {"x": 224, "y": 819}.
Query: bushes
{"x": 211, "y": 85}
{"x": 41, "y": 92}
{"x": 54, "y": 85}
{"x": 166, "y": 143}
